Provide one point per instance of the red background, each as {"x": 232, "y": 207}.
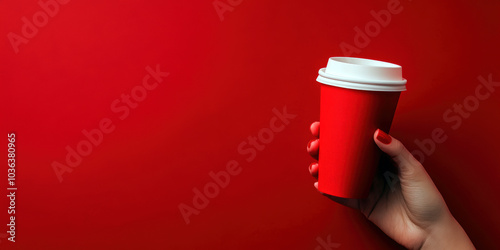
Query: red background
{"x": 225, "y": 79}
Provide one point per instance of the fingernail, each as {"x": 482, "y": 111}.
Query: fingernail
{"x": 311, "y": 166}
{"x": 383, "y": 137}
{"x": 309, "y": 145}
{"x": 314, "y": 126}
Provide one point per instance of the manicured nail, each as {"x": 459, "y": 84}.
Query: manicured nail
{"x": 383, "y": 137}
{"x": 314, "y": 127}
{"x": 310, "y": 144}
{"x": 312, "y": 165}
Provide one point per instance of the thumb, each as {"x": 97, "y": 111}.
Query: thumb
{"x": 409, "y": 167}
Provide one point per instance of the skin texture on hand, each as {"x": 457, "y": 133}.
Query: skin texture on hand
{"x": 411, "y": 211}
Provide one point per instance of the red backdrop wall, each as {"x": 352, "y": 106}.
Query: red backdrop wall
{"x": 229, "y": 69}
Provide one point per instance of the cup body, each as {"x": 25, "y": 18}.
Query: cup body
{"x": 348, "y": 156}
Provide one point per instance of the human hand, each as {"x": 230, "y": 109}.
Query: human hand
{"x": 411, "y": 210}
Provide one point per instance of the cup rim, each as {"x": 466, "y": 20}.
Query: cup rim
{"x": 361, "y": 84}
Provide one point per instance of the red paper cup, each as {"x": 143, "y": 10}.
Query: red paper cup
{"x": 357, "y": 97}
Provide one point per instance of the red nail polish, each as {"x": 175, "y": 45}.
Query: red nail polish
{"x": 310, "y": 144}
{"x": 383, "y": 137}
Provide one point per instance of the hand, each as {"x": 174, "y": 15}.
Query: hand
{"x": 408, "y": 209}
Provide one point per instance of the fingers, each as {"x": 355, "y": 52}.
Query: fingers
{"x": 408, "y": 166}
{"x": 315, "y": 129}
{"x": 313, "y": 148}
{"x": 313, "y": 145}
{"x": 314, "y": 169}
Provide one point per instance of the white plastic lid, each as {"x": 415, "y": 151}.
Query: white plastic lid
{"x": 362, "y": 74}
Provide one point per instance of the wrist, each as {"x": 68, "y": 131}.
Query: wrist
{"x": 447, "y": 234}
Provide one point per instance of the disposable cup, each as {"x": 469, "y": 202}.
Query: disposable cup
{"x": 357, "y": 97}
